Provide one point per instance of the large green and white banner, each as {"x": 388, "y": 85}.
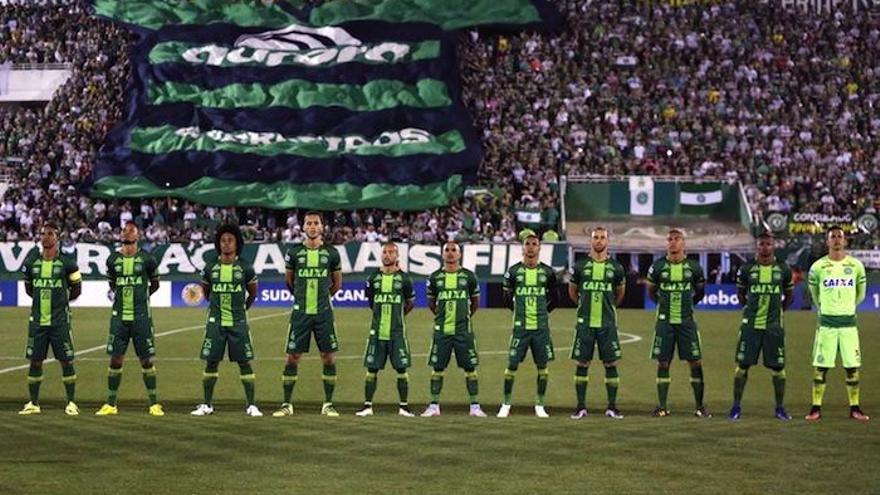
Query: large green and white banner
{"x": 350, "y": 104}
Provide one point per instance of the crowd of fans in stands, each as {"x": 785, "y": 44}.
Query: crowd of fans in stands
{"x": 788, "y": 104}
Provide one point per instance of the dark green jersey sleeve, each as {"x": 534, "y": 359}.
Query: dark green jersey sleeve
{"x": 335, "y": 262}
{"x": 206, "y": 272}
{"x": 742, "y": 277}
{"x": 151, "y": 266}
{"x": 473, "y": 284}
{"x": 27, "y": 268}
{"x": 619, "y": 274}
{"x": 71, "y": 270}
{"x": 111, "y": 267}
{"x": 550, "y": 289}
{"x": 654, "y": 272}
{"x": 431, "y": 284}
{"x": 698, "y": 276}
{"x": 250, "y": 275}
{"x": 290, "y": 257}
{"x": 409, "y": 292}
{"x": 787, "y": 282}
{"x": 508, "y": 283}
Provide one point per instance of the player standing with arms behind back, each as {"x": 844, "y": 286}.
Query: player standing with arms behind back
{"x": 677, "y": 284}
{"x": 453, "y": 297}
{"x": 133, "y": 279}
{"x": 313, "y": 274}
{"x": 598, "y": 286}
{"x": 52, "y": 280}
{"x": 764, "y": 288}
{"x": 390, "y": 293}
{"x": 838, "y": 284}
{"x": 230, "y": 286}
{"x": 530, "y": 291}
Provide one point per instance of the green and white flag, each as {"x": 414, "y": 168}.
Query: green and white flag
{"x": 700, "y": 198}
{"x": 641, "y": 195}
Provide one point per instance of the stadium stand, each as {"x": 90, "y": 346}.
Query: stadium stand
{"x": 786, "y": 104}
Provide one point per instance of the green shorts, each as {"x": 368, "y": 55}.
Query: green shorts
{"x": 218, "y": 338}
{"x": 769, "y": 342}
{"x": 464, "y": 345}
{"x": 139, "y": 331}
{"x": 668, "y": 336}
{"x": 829, "y": 340}
{"x": 395, "y": 349}
{"x": 538, "y": 341}
{"x": 587, "y": 339}
{"x": 39, "y": 338}
{"x": 301, "y": 328}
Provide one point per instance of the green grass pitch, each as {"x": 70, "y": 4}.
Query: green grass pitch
{"x": 229, "y": 452}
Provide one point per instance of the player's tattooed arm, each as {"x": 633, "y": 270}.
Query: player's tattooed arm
{"x": 475, "y": 303}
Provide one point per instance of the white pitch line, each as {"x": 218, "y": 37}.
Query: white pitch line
{"x": 630, "y": 339}
{"x": 162, "y": 334}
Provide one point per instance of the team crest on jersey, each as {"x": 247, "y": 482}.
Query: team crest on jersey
{"x": 664, "y": 275}
{"x": 236, "y": 275}
{"x": 397, "y": 285}
{"x": 542, "y": 279}
{"x": 519, "y": 278}
{"x": 138, "y": 266}
{"x": 324, "y": 260}
{"x": 847, "y": 271}
{"x": 609, "y": 275}
{"x": 777, "y": 276}
{"x": 301, "y": 260}
{"x": 688, "y": 274}
{"x": 377, "y": 285}
{"x": 462, "y": 282}
{"x": 56, "y": 271}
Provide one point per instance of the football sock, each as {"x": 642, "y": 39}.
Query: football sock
{"x": 149, "y": 375}
{"x": 663, "y": 382}
{"x": 740, "y": 377}
{"x": 612, "y": 382}
{"x": 114, "y": 378}
{"x": 581, "y": 379}
{"x": 543, "y": 375}
{"x": 288, "y": 380}
{"x": 209, "y": 379}
{"x": 34, "y": 379}
{"x": 248, "y": 379}
{"x": 329, "y": 378}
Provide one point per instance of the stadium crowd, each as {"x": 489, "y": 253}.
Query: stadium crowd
{"x": 785, "y": 103}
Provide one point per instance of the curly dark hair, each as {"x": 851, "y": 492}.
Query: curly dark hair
{"x": 228, "y": 228}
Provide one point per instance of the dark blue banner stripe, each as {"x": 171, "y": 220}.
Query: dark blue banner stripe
{"x": 181, "y": 168}
{"x": 212, "y": 77}
{"x": 315, "y": 121}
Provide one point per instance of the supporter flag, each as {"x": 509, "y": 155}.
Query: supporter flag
{"x": 700, "y": 198}
{"x": 348, "y": 105}
{"x": 641, "y": 195}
